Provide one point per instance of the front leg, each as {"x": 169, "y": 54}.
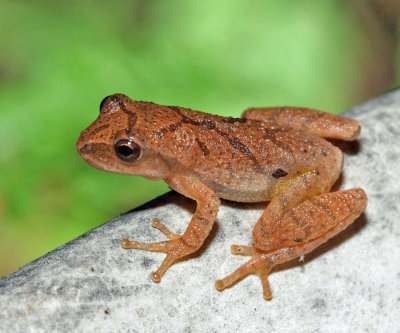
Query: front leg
{"x": 197, "y": 231}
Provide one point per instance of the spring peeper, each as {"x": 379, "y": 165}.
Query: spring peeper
{"x": 270, "y": 154}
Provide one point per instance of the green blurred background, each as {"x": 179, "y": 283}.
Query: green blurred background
{"x": 58, "y": 59}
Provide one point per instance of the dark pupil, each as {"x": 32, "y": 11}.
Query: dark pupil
{"x": 125, "y": 151}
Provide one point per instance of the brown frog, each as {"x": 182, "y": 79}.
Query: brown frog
{"x": 270, "y": 154}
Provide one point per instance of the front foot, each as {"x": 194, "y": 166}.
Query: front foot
{"x": 175, "y": 248}
{"x": 260, "y": 264}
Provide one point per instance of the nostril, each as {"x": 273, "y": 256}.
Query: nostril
{"x": 85, "y": 149}
{"x": 81, "y": 142}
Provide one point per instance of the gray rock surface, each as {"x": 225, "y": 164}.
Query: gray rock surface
{"x": 349, "y": 284}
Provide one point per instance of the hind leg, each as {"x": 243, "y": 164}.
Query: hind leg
{"x": 288, "y": 196}
{"x": 323, "y": 124}
{"x": 301, "y": 230}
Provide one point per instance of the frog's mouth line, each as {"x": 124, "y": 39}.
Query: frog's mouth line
{"x": 96, "y": 154}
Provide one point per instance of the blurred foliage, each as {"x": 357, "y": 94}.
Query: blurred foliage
{"x": 58, "y": 59}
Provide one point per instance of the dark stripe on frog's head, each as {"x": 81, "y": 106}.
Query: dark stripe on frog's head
{"x": 132, "y": 118}
{"x": 91, "y": 148}
{"x": 99, "y": 129}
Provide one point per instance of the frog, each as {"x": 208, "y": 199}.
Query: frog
{"x": 280, "y": 155}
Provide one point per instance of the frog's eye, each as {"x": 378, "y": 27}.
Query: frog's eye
{"x": 102, "y": 102}
{"x": 128, "y": 150}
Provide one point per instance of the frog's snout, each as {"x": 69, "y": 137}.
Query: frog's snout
{"x": 82, "y": 141}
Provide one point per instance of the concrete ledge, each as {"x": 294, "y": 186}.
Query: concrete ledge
{"x": 351, "y": 283}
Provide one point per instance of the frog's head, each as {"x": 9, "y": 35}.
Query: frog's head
{"x": 114, "y": 143}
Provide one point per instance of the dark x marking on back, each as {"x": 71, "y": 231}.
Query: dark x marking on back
{"x": 235, "y": 142}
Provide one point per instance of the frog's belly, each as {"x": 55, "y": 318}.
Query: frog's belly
{"x": 245, "y": 196}
{"x": 255, "y": 192}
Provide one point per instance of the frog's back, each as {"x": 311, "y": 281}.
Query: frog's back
{"x": 240, "y": 159}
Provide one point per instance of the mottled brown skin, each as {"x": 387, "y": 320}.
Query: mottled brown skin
{"x": 274, "y": 154}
